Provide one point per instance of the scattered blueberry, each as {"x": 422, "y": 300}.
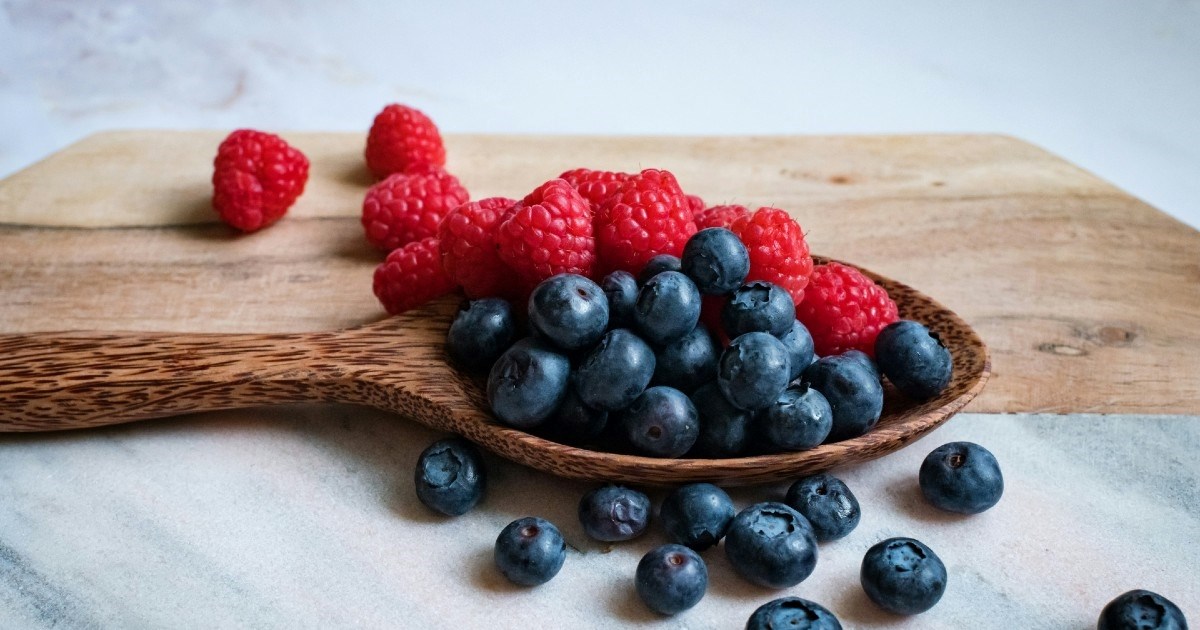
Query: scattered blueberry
{"x": 662, "y": 422}
{"x": 450, "y": 477}
{"x": 753, "y": 370}
{"x": 759, "y": 307}
{"x": 724, "y": 429}
{"x": 621, "y": 288}
{"x": 696, "y": 515}
{"x": 613, "y": 513}
{"x": 530, "y": 551}
{"x": 569, "y": 310}
{"x": 716, "y": 260}
{"x": 903, "y": 576}
{"x": 667, "y": 308}
{"x": 616, "y": 371}
{"x": 657, "y": 265}
{"x": 688, "y": 362}
{"x": 527, "y": 383}
{"x": 671, "y": 579}
{"x": 913, "y": 359}
{"x": 799, "y": 344}
{"x": 480, "y": 333}
{"x": 961, "y": 477}
{"x": 827, "y": 503}
{"x": 792, "y": 613}
{"x": 1141, "y": 610}
{"x": 799, "y": 419}
{"x": 574, "y": 422}
{"x": 853, "y": 391}
{"x": 771, "y": 545}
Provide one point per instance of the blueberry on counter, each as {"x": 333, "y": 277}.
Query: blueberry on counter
{"x": 657, "y": 265}
{"x": 771, "y": 545}
{"x": 914, "y": 359}
{"x": 450, "y": 477}
{"x": 792, "y": 613}
{"x": 616, "y": 371}
{"x": 798, "y": 420}
{"x": 799, "y": 344}
{"x": 671, "y": 579}
{"x": 854, "y": 394}
{"x": 759, "y": 307}
{"x": 662, "y": 422}
{"x": 480, "y": 333}
{"x": 1141, "y": 610}
{"x": 696, "y": 515}
{"x": 903, "y": 576}
{"x": 528, "y": 383}
{"x": 961, "y": 477}
{"x": 667, "y": 308}
{"x": 724, "y": 429}
{"x": 614, "y": 513}
{"x": 753, "y": 370}
{"x": 688, "y": 362}
{"x": 569, "y": 310}
{"x": 530, "y": 551}
{"x": 716, "y": 260}
{"x": 621, "y": 289}
{"x": 827, "y": 503}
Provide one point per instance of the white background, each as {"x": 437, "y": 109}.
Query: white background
{"x": 1112, "y": 85}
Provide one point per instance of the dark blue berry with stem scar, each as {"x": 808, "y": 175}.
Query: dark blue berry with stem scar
{"x": 574, "y": 422}
{"x": 569, "y": 310}
{"x": 724, "y": 429}
{"x": 759, "y": 307}
{"x": 903, "y": 576}
{"x": 671, "y": 579}
{"x": 480, "y": 333}
{"x": 615, "y": 372}
{"x": 667, "y": 308}
{"x": 662, "y": 422}
{"x": 799, "y": 344}
{"x": 696, "y": 515}
{"x": 961, "y": 477}
{"x": 716, "y": 260}
{"x": 914, "y": 359}
{"x": 621, "y": 289}
{"x": 450, "y": 477}
{"x": 1141, "y": 610}
{"x": 792, "y": 613}
{"x": 527, "y": 383}
{"x": 771, "y": 545}
{"x": 613, "y": 513}
{"x": 854, "y": 394}
{"x": 799, "y": 419}
{"x": 530, "y": 551}
{"x": 688, "y": 362}
{"x": 754, "y": 370}
{"x": 827, "y": 503}
{"x": 657, "y": 265}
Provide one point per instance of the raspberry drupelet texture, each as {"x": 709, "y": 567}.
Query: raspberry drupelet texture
{"x": 696, "y": 204}
{"x": 595, "y": 186}
{"x": 408, "y": 207}
{"x": 411, "y": 276}
{"x": 402, "y": 137}
{"x": 468, "y": 241}
{"x": 778, "y": 251}
{"x": 256, "y": 178}
{"x": 844, "y": 310}
{"x": 548, "y": 232}
{"x": 720, "y": 216}
{"x": 647, "y": 216}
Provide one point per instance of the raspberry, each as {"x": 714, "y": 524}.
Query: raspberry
{"x": 719, "y": 216}
{"x": 400, "y": 138}
{"x": 595, "y": 186}
{"x": 647, "y": 216}
{"x": 778, "y": 252}
{"x": 844, "y": 310}
{"x": 468, "y": 243}
{"x": 411, "y": 276}
{"x": 408, "y": 207}
{"x": 547, "y": 233}
{"x": 256, "y": 178}
{"x": 696, "y": 204}
{"x": 710, "y": 315}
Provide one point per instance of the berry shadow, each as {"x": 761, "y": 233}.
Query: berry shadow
{"x": 356, "y": 174}
{"x": 856, "y": 610}
{"x": 485, "y": 575}
{"x": 906, "y": 493}
{"x": 626, "y": 605}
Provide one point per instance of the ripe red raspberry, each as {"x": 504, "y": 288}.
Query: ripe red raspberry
{"x": 547, "y": 233}
{"x": 595, "y": 186}
{"x": 696, "y": 204}
{"x": 710, "y": 315}
{"x": 778, "y": 251}
{"x": 411, "y": 276}
{"x": 720, "y": 216}
{"x": 844, "y": 310}
{"x": 256, "y": 178}
{"x": 408, "y": 207}
{"x": 468, "y": 241}
{"x": 647, "y": 216}
{"x": 400, "y": 138}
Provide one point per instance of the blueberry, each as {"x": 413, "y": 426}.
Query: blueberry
{"x": 961, "y": 477}
{"x": 688, "y": 362}
{"x": 657, "y": 265}
{"x": 913, "y": 359}
{"x": 853, "y": 391}
{"x": 754, "y": 370}
{"x": 903, "y": 576}
{"x": 724, "y": 429}
{"x": 662, "y": 422}
{"x": 696, "y": 515}
{"x": 667, "y": 308}
{"x": 480, "y": 333}
{"x": 450, "y": 477}
{"x": 530, "y": 551}
{"x": 865, "y": 360}
{"x": 1141, "y": 610}
{"x": 621, "y": 288}
{"x": 527, "y": 383}
{"x": 569, "y": 310}
{"x": 827, "y": 503}
{"x": 799, "y": 344}
{"x": 614, "y": 513}
{"x": 798, "y": 420}
{"x": 792, "y": 613}
{"x": 771, "y": 545}
{"x": 716, "y": 260}
{"x": 574, "y": 422}
{"x": 759, "y": 307}
{"x": 671, "y": 579}
{"x": 616, "y": 371}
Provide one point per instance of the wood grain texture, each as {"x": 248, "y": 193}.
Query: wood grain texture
{"x": 1088, "y": 298}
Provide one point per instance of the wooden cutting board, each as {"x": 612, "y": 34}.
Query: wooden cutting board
{"x": 1088, "y": 298}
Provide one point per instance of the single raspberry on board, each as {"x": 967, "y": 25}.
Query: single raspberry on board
{"x": 647, "y": 216}
{"x": 696, "y": 204}
{"x": 778, "y": 251}
{"x": 400, "y": 138}
{"x": 595, "y": 186}
{"x": 844, "y": 310}
{"x": 411, "y": 276}
{"x": 256, "y": 178}
{"x": 408, "y": 207}
{"x": 547, "y": 233}
{"x": 720, "y": 216}
{"x": 468, "y": 242}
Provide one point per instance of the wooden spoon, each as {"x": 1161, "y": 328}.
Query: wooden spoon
{"x": 54, "y": 381}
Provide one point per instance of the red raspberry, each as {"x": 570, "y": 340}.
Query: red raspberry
{"x": 778, "y": 251}
{"x": 595, "y": 186}
{"x": 719, "y": 216}
{"x": 400, "y": 138}
{"x": 408, "y": 207}
{"x": 547, "y": 233}
{"x": 411, "y": 276}
{"x": 710, "y": 315}
{"x": 256, "y": 178}
{"x": 844, "y": 310}
{"x": 696, "y": 204}
{"x": 647, "y": 216}
{"x": 469, "y": 256}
